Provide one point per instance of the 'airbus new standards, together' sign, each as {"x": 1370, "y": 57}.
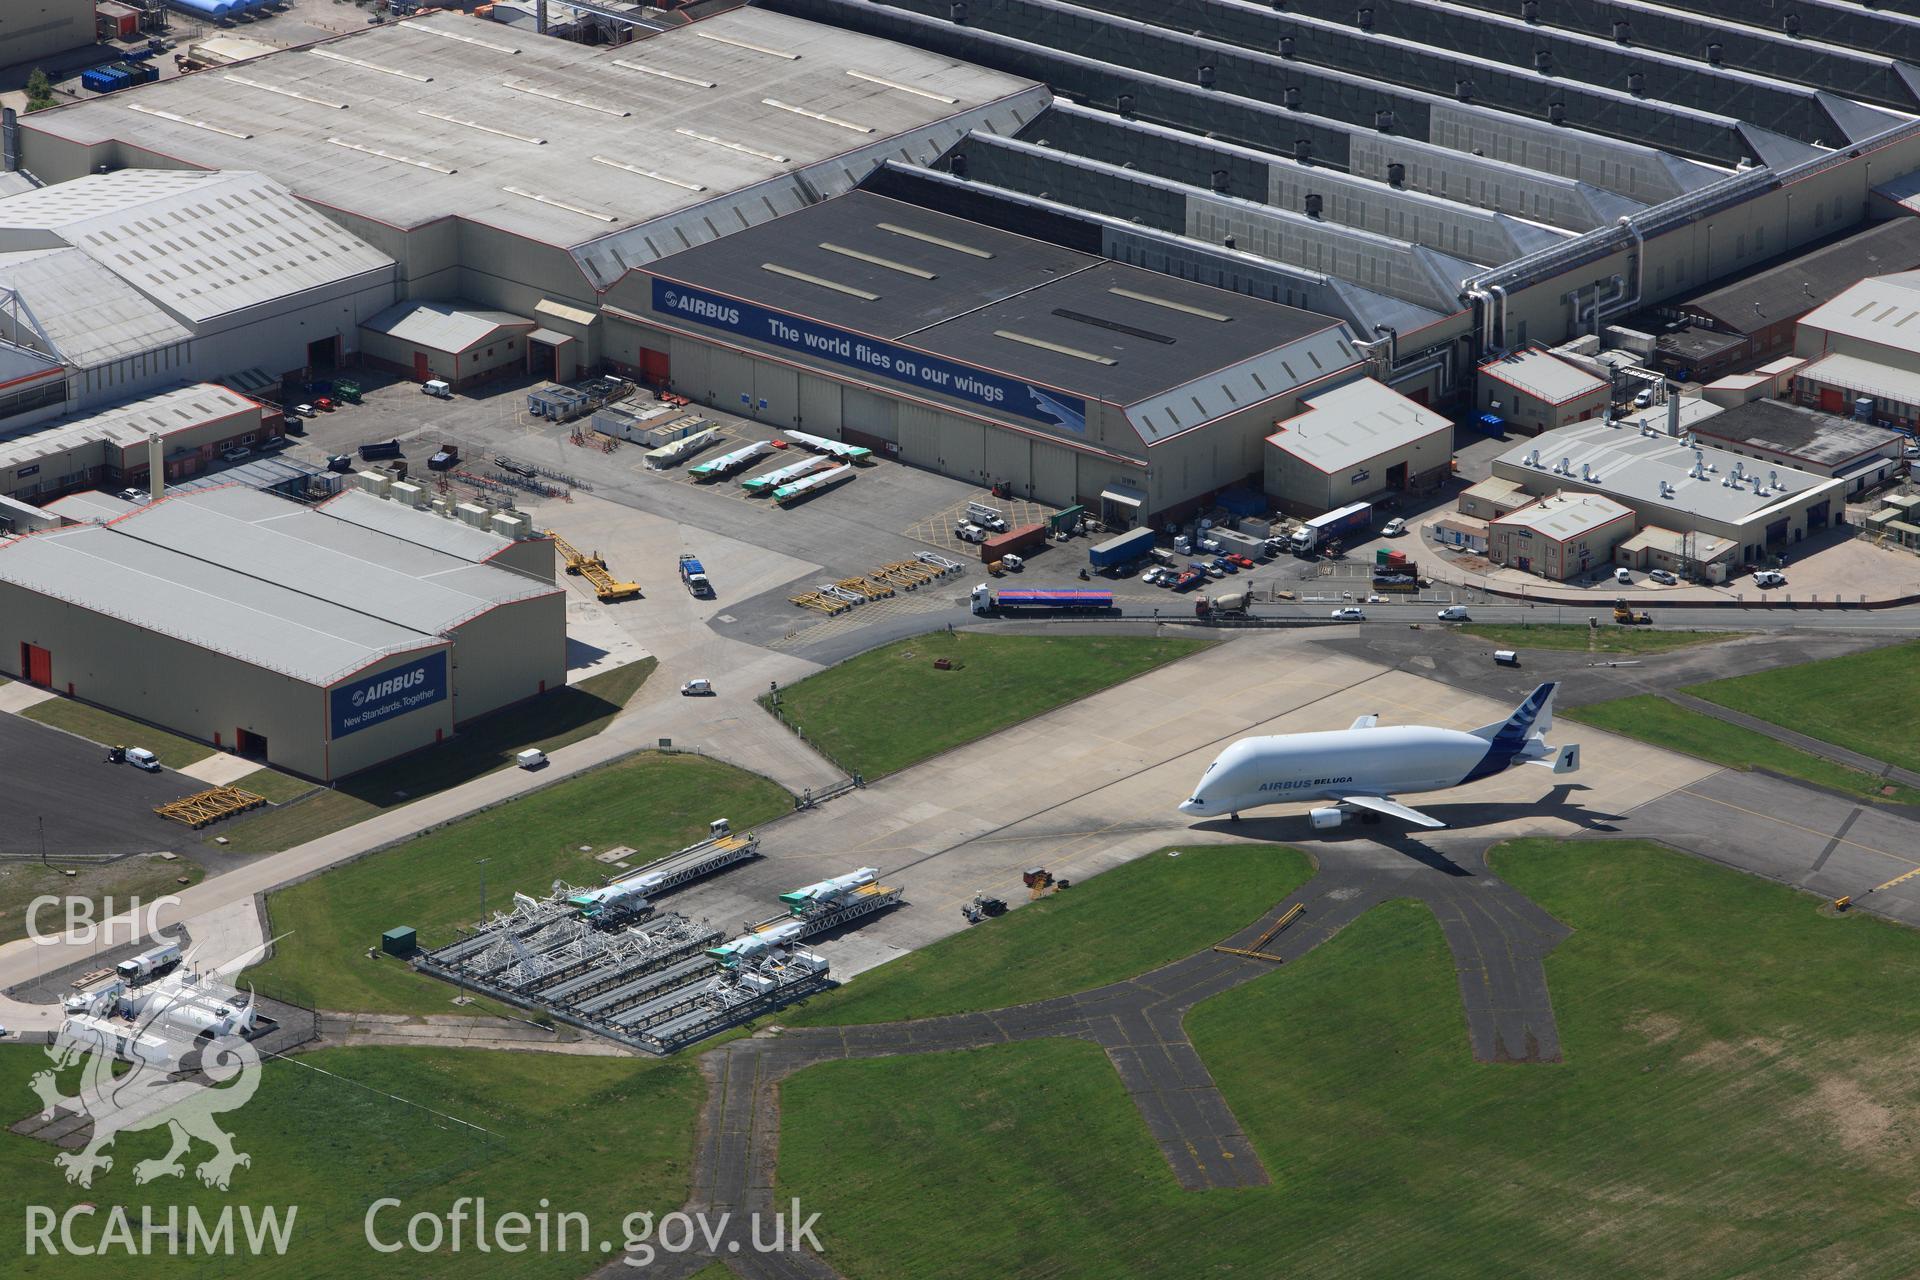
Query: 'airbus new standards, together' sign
{"x": 991, "y": 391}
{"x": 395, "y": 691}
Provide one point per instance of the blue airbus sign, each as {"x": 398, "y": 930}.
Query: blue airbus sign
{"x": 991, "y": 391}
{"x": 395, "y": 691}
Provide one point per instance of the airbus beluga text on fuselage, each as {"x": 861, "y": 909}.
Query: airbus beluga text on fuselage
{"x": 1360, "y": 769}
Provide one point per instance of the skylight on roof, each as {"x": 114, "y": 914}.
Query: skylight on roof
{"x": 821, "y": 116}
{"x": 1169, "y": 304}
{"x": 834, "y": 285}
{"x": 450, "y": 35}
{"x": 742, "y": 44}
{"x": 179, "y": 119}
{"x": 877, "y": 260}
{"x": 285, "y": 92}
{"x": 928, "y": 238}
{"x": 484, "y": 128}
{"x": 390, "y": 155}
{"x": 585, "y": 104}
{"x": 885, "y": 83}
{"x": 732, "y": 146}
{"x": 580, "y": 209}
{"x": 370, "y": 66}
{"x": 648, "y": 173}
{"x": 1055, "y": 347}
{"x": 674, "y": 76}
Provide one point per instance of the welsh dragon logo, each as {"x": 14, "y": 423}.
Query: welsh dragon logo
{"x": 149, "y": 1034}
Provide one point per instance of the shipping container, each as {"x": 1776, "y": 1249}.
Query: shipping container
{"x": 1134, "y": 545}
{"x": 1027, "y": 535}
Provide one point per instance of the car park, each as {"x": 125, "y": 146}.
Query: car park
{"x": 1662, "y": 577}
{"x": 1350, "y": 614}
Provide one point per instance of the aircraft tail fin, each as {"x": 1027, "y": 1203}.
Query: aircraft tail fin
{"x": 1532, "y": 717}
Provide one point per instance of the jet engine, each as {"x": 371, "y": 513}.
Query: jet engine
{"x": 1326, "y": 819}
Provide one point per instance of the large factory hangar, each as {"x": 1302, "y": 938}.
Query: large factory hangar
{"x": 317, "y": 644}
{"x": 524, "y": 173}
{"x": 979, "y": 354}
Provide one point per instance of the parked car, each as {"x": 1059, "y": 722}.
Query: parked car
{"x": 1393, "y": 528}
{"x": 1225, "y": 565}
{"x": 1769, "y": 578}
{"x": 293, "y": 422}
{"x": 1234, "y": 557}
{"x": 1350, "y": 614}
{"x": 1210, "y": 569}
{"x": 236, "y": 454}
{"x": 1623, "y": 575}
{"x": 305, "y": 410}
{"x": 697, "y": 688}
{"x": 1644, "y": 400}
{"x": 1454, "y": 613}
{"x": 1662, "y": 577}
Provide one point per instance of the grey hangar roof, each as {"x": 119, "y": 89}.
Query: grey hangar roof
{"x": 265, "y": 580}
{"x": 1174, "y": 353}
{"x": 619, "y": 154}
{"x": 1193, "y": 131}
{"x": 1819, "y": 438}
{"x": 1807, "y": 280}
{"x": 396, "y": 520}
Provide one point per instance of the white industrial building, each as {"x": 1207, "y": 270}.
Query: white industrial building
{"x": 1864, "y": 346}
{"x": 1532, "y": 390}
{"x": 1560, "y": 536}
{"x": 196, "y": 423}
{"x": 320, "y": 642}
{"x": 1689, "y": 489}
{"x": 1357, "y": 441}
{"x": 143, "y": 277}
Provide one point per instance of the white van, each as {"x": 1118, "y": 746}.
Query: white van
{"x": 531, "y": 758}
{"x": 1454, "y": 613}
{"x": 141, "y": 758}
{"x": 1623, "y": 575}
{"x": 437, "y": 387}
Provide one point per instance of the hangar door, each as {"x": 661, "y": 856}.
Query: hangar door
{"x": 1008, "y": 460}
{"x": 729, "y": 378}
{"x": 779, "y": 386}
{"x": 819, "y": 404}
{"x": 1055, "y": 474}
{"x": 868, "y": 415}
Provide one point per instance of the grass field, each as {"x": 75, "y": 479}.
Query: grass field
{"x": 549, "y": 722}
{"x": 140, "y": 877}
{"x": 653, "y": 802}
{"x": 1654, "y": 719}
{"x": 1083, "y": 937}
{"x": 276, "y": 786}
{"x": 109, "y": 729}
{"x": 329, "y": 1134}
{"x": 1719, "y": 1111}
{"x": 889, "y": 708}
{"x": 1844, "y": 701}
{"x": 1602, "y": 639}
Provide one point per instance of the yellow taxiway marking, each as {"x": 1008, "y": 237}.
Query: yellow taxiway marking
{"x": 1896, "y": 880}
{"x": 1823, "y": 835}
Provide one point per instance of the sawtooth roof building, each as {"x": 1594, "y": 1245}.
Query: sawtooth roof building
{"x": 321, "y": 643}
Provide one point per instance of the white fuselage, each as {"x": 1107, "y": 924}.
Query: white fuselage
{"x": 1392, "y": 761}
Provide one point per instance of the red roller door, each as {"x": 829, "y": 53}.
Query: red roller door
{"x": 1833, "y": 400}
{"x": 36, "y": 664}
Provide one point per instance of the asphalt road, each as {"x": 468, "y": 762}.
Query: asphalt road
{"x": 85, "y": 804}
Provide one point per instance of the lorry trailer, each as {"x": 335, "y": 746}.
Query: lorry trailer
{"x": 148, "y": 962}
{"x": 1131, "y": 546}
{"x": 986, "y": 600}
{"x": 1333, "y": 524}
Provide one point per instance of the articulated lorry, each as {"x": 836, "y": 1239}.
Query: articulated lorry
{"x": 986, "y": 600}
{"x": 1333, "y": 525}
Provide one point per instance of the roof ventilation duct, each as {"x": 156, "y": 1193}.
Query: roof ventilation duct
{"x": 1205, "y": 76}
{"x": 1622, "y": 31}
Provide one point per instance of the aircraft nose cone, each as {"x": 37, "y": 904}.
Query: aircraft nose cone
{"x": 1192, "y": 806}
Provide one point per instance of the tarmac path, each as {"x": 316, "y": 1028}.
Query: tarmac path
{"x": 1499, "y": 941}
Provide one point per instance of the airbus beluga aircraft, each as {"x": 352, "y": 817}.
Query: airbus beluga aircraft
{"x": 1360, "y": 768}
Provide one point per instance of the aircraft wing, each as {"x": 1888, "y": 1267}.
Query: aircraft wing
{"x": 1364, "y": 722}
{"x": 1392, "y": 809}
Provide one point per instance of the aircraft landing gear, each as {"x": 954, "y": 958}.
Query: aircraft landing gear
{"x": 1233, "y": 817}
